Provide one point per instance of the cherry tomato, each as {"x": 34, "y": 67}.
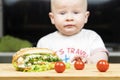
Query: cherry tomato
{"x": 60, "y": 67}
{"x": 102, "y": 65}
{"x": 79, "y": 65}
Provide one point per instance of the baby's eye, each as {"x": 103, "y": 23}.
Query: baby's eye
{"x": 62, "y": 13}
{"x": 76, "y": 12}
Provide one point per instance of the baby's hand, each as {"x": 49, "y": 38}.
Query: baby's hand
{"x": 78, "y": 58}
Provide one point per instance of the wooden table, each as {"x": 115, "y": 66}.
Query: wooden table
{"x": 90, "y": 72}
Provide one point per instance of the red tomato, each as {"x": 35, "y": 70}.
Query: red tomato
{"x": 60, "y": 67}
{"x": 102, "y": 65}
{"x": 79, "y": 65}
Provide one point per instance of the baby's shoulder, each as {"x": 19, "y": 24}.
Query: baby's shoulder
{"x": 48, "y": 36}
{"x": 88, "y": 32}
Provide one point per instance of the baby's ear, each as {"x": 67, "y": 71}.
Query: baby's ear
{"x": 51, "y": 16}
{"x": 86, "y": 16}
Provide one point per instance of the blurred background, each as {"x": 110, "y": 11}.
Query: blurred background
{"x": 28, "y": 20}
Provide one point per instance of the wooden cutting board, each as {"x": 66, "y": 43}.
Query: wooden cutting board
{"x": 90, "y": 72}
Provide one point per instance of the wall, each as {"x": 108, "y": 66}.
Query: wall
{"x": 0, "y": 18}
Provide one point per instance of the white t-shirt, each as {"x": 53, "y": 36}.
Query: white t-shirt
{"x": 85, "y": 43}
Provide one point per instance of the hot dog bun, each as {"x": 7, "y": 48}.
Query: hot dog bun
{"x": 19, "y": 58}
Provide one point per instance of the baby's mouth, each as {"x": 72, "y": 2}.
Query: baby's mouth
{"x": 69, "y": 26}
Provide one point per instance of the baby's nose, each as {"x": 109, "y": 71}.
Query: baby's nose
{"x": 69, "y": 17}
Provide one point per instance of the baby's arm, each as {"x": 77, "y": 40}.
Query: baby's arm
{"x": 79, "y": 58}
{"x": 94, "y": 58}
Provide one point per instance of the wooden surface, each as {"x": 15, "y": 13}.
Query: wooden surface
{"x": 90, "y": 72}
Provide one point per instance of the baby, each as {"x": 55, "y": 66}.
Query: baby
{"x": 71, "y": 41}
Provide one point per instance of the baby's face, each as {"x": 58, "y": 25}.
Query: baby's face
{"x": 69, "y": 16}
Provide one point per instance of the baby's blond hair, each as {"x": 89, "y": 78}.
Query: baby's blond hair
{"x": 53, "y": 1}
